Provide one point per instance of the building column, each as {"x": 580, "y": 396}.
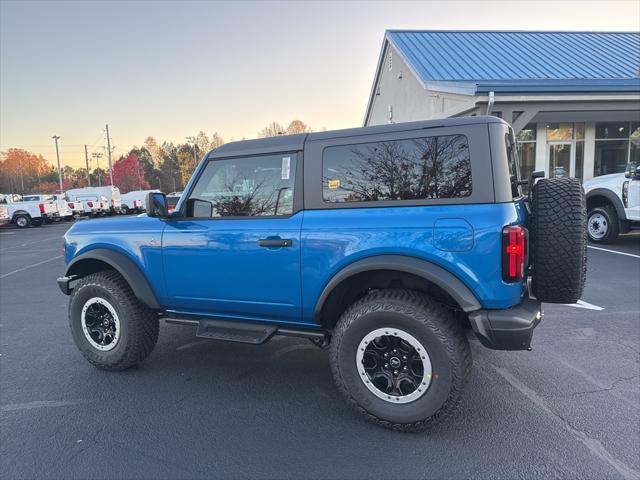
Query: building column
{"x": 541, "y": 147}
{"x": 589, "y": 149}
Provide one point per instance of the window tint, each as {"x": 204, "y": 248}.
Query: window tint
{"x": 413, "y": 169}
{"x": 249, "y": 187}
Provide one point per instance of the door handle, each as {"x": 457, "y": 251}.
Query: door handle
{"x": 275, "y": 242}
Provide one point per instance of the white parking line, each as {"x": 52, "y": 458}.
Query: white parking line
{"x": 31, "y": 266}
{"x": 583, "y": 304}
{"x": 614, "y": 251}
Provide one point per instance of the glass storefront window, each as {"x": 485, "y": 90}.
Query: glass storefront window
{"x": 610, "y": 157}
{"x": 527, "y": 155}
{"x": 612, "y": 130}
{"x": 559, "y": 131}
{"x": 634, "y": 145}
{"x": 579, "y": 165}
{"x": 527, "y": 152}
{"x": 579, "y": 131}
{"x": 527, "y": 134}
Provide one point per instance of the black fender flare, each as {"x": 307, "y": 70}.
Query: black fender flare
{"x": 123, "y": 265}
{"x": 612, "y": 197}
{"x": 421, "y": 268}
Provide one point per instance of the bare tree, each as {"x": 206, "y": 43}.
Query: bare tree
{"x": 434, "y": 167}
{"x": 272, "y": 130}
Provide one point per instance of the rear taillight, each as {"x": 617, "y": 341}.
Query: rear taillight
{"x": 72, "y": 205}
{"x": 514, "y": 253}
{"x": 90, "y": 204}
{"x": 41, "y": 206}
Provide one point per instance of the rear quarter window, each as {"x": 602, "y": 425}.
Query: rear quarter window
{"x": 434, "y": 167}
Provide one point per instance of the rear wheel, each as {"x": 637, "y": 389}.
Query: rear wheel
{"x": 559, "y": 240}
{"x": 22, "y": 221}
{"x": 400, "y": 359}
{"x": 602, "y": 224}
{"x": 110, "y": 326}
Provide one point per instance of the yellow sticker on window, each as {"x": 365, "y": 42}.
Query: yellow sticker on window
{"x": 333, "y": 184}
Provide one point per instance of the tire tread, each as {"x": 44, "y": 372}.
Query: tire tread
{"x": 438, "y": 320}
{"x": 144, "y": 325}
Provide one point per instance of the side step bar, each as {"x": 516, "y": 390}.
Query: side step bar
{"x": 243, "y": 332}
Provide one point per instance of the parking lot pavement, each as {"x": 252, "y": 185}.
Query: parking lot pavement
{"x": 201, "y": 409}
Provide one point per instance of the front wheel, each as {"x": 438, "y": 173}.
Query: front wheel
{"x": 400, "y": 359}
{"x": 602, "y": 224}
{"x": 110, "y": 326}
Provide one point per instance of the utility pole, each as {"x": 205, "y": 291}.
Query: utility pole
{"x": 56, "y": 138}
{"x": 86, "y": 159}
{"x": 109, "y": 151}
{"x": 97, "y": 157}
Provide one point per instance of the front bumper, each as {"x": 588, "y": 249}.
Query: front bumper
{"x": 509, "y": 329}
{"x": 63, "y": 283}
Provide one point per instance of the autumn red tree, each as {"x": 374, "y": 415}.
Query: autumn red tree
{"x": 21, "y": 171}
{"x": 128, "y": 174}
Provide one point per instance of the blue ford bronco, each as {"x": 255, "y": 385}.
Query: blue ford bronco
{"x": 383, "y": 244}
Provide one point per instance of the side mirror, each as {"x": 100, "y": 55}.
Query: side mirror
{"x": 632, "y": 173}
{"x": 197, "y": 208}
{"x": 156, "y": 204}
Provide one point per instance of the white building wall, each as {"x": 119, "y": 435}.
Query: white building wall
{"x": 398, "y": 88}
{"x": 589, "y": 149}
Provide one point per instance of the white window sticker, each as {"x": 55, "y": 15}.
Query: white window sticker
{"x": 286, "y": 167}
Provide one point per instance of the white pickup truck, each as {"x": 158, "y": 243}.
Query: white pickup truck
{"x": 4, "y": 216}
{"x": 104, "y": 200}
{"x": 135, "y": 201}
{"x": 64, "y": 212}
{"x": 23, "y": 214}
{"x": 613, "y": 204}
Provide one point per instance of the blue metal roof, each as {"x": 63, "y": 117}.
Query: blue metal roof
{"x": 532, "y": 62}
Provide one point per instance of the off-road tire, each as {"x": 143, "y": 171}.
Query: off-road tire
{"x": 613, "y": 225}
{"x": 433, "y": 326}
{"x": 22, "y": 221}
{"x": 139, "y": 324}
{"x": 558, "y": 240}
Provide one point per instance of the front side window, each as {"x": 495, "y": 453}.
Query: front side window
{"x": 412, "y": 169}
{"x": 248, "y": 187}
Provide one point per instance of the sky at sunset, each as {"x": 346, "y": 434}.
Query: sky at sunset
{"x": 170, "y": 69}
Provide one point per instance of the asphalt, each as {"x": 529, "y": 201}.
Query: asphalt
{"x": 203, "y": 409}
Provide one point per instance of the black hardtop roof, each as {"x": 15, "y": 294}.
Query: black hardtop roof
{"x": 292, "y": 143}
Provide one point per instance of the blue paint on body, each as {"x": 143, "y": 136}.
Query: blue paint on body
{"x": 215, "y": 267}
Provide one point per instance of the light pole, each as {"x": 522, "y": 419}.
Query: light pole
{"x": 109, "y": 151}
{"x": 56, "y": 138}
{"x": 86, "y": 158}
{"x": 97, "y": 158}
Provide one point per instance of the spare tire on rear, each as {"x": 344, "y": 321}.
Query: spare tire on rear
{"x": 558, "y": 232}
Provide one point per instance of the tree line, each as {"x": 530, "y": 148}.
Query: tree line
{"x": 165, "y": 166}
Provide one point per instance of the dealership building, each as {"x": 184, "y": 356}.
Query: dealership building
{"x": 573, "y": 98}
